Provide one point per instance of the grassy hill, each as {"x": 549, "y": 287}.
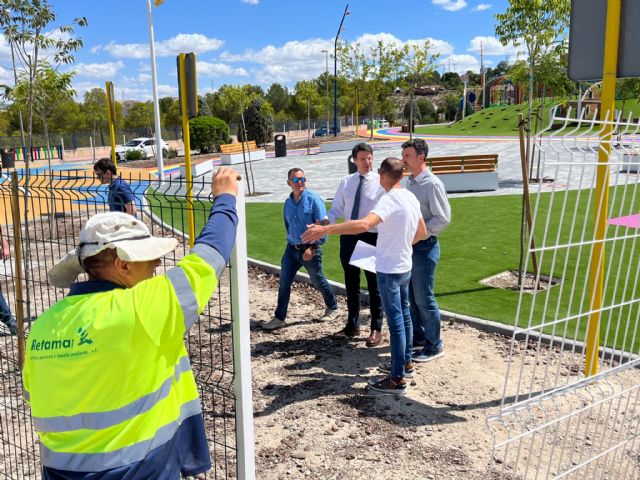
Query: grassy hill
{"x": 504, "y": 120}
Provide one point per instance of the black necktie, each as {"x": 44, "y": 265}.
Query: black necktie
{"x": 356, "y": 201}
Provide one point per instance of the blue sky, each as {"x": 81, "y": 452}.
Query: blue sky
{"x": 262, "y": 41}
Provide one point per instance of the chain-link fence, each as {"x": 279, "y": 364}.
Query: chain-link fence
{"x": 42, "y": 216}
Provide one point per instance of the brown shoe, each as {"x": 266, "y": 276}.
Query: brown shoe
{"x": 374, "y": 339}
{"x": 347, "y": 332}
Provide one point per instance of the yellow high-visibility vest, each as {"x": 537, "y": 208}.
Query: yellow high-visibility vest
{"x": 107, "y": 374}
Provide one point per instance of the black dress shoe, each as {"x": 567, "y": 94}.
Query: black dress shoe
{"x": 347, "y": 332}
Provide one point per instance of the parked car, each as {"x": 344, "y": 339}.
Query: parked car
{"x": 147, "y": 146}
{"x": 322, "y": 131}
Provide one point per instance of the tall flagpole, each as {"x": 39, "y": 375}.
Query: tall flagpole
{"x": 156, "y": 103}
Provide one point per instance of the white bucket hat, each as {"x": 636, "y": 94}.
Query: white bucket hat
{"x": 129, "y": 236}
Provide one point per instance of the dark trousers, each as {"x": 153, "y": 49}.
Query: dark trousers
{"x": 352, "y": 282}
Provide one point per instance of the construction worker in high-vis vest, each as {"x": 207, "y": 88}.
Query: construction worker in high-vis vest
{"x": 107, "y": 373}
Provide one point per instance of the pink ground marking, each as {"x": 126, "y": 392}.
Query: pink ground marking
{"x": 631, "y": 221}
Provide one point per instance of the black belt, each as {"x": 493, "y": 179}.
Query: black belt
{"x": 302, "y": 246}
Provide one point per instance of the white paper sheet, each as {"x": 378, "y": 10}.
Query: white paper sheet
{"x": 364, "y": 256}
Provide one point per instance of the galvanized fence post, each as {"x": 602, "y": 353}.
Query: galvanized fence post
{"x": 242, "y": 346}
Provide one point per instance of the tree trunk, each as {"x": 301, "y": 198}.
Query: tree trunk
{"x": 309, "y": 127}
{"x": 411, "y": 114}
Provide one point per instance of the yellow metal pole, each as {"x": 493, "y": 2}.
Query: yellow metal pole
{"x": 187, "y": 149}
{"x": 112, "y": 131}
{"x": 596, "y": 267}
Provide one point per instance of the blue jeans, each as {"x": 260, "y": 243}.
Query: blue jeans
{"x": 394, "y": 292}
{"x": 424, "y": 308}
{"x": 289, "y": 265}
{"x": 5, "y": 314}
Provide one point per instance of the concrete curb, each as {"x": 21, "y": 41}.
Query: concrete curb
{"x": 487, "y": 326}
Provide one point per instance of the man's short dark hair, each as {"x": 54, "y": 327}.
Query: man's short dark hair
{"x": 419, "y": 144}
{"x": 293, "y": 171}
{"x": 394, "y": 167}
{"x": 361, "y": 147}
{"x": 105, "y": 165}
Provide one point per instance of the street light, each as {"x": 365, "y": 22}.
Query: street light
{"x": 335, "y": 73}
{"x": 326, "y": 81}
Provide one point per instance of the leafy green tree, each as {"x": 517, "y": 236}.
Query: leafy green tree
{"x": 94, "y": 109}
{"x": 451, "y": 101}
{"x": 203, "y": 107}
{"x": 427, "y": 111}
{"x": 46, "y": 93}
{"x": 139, "y": 115}
{"x": 452, "y": 81}
{"x": 208, "y": 133}
{"x": 307, "y": 94}
{"x": 258, "y": 118}
{"x": 536, "y": 25}
{"x": 279, "y": 97}
{"x": 417, "y": 62}
{"x": 171, "y": 117}
{"x": 27, "y": 25}
{"x": 626, "y": 89}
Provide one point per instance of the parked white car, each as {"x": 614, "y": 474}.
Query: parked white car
{"x": 146, "y": 145}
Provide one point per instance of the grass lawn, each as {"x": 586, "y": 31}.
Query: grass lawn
{"x": 503, "y": 120}
{"x": 482, "y": 240}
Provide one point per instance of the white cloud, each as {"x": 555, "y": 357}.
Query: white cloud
{"x": 219, "y": 70}
{"x": 450, "y": 5}
{"x": 481, "y": 7}
{"x": 183, "y": 42}
{"x": 251, "y": 2}
{"x": 99, "y": 70}
{"x": 492, "y": 46}
{"x": 461, "y": 63}
{"x": 304, "y": 60}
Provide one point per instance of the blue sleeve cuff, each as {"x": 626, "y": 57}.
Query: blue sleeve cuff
{"x": 220, "y": 230}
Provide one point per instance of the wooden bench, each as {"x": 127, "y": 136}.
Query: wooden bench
{"x": 231, "y": 153}
{"x": 466, "y": 173}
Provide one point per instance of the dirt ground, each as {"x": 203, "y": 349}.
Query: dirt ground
{"x": 314, "y": 418}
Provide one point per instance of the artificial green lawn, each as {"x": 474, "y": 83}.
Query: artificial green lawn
{"x": 503, "y": 120}
{"x": 482, "y": 240}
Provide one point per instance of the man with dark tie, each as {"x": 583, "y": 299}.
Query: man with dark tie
{"x": 356, "y": 196}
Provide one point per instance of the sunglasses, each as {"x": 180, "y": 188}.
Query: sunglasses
{"x": 380, "y": 171}
{"x": 299, "y": 179}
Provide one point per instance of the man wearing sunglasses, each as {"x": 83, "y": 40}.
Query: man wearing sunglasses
{"x": 303, "y": 207}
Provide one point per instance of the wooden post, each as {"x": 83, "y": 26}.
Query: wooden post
{"x": 527, "y": 201}
{"x": 17, "y": 243}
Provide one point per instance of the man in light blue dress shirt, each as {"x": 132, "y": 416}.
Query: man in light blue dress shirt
{"x": 302, "y": 208}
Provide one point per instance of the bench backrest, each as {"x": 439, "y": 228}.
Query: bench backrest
{"x": 237, "y": 147}
{"x": 463, "y": 163}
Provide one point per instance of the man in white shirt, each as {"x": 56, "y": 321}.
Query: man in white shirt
{"x": 355, "y": 197}
{"x": 434, "y": 205}
{"x": 400, "y": 224}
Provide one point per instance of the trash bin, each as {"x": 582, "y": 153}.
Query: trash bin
{"x": 8, "y": 157}
{"x": 352, "y": 166}
{"x": 281, "y": 145}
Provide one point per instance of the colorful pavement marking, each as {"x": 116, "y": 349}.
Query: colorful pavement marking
{"x": 630, "y": 221}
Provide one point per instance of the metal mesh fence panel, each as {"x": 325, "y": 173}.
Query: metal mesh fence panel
{"x": 556, "y": 421}
{"x": 53, "y": 208}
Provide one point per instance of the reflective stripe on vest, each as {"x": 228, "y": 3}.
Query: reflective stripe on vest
{"x": 93, "y": 462}
{"x": 184, "y": 292}
{"x": 100, "y": 420}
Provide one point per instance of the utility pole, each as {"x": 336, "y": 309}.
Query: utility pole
{"x": 335, "y": 73}
{"x": 326, "y": 81}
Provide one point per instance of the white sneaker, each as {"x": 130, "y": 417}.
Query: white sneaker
{"x": 330, "y": 314}
{"x": 274, "y": 324}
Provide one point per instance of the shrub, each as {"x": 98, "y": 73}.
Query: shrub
{"x": 427, "y": 111}
{"x": 171, "y": 153}
{"x": 131, "y": 155}
{"x": 208, "y": 133}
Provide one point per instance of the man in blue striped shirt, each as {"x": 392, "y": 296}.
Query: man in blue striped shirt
{"x": 302, "y": 208}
